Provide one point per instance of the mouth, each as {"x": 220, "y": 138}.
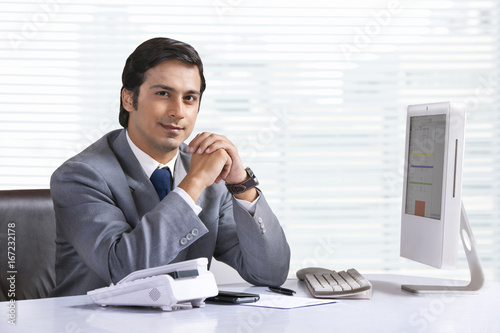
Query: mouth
{"x": 171, "y": 128}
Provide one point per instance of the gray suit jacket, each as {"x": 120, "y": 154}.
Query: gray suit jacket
{"x": 110, "y": 222}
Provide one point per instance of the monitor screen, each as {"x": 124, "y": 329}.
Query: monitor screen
{"x": 425, "y": 166}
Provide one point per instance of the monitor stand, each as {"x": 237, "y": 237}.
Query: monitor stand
{"x": 476, "y": 271}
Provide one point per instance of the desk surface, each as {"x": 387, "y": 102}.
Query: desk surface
{"x": 389, "y": 310}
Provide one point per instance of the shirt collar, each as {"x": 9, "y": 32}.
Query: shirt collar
{"x": 148, "y": 163}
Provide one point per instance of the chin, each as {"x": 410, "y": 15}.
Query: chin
{"x": 169, "y": 145}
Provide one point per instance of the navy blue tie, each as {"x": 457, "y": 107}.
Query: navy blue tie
{"x": 161, "y": 181}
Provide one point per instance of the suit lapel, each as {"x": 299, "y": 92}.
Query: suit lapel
{"x": 142, "y": 190}
{"x": 181, "y": 165}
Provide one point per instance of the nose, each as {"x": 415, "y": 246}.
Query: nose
{"x": 176, "y": 108}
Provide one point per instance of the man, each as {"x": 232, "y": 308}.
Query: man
{"x": 111, "y": 220}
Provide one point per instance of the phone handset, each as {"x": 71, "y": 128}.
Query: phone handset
{"x": 176, "y": 270}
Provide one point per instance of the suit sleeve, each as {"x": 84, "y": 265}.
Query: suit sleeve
{"x": 255, "y": 245}
{"x": 89, "y": 217}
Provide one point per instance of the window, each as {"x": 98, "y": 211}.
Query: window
{"x": 314, "y": 95}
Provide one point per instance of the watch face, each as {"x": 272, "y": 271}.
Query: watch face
{"x": 251, "y": 174}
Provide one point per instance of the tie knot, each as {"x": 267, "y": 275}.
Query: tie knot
{"x": 161, "y": 179}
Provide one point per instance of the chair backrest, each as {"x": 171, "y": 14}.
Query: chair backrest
{"x": 27, "y": 241}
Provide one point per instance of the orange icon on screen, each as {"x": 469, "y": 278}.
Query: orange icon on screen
{"x": 419, "y": 208}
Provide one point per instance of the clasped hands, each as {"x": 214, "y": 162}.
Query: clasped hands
{"x": 214, "y": 158}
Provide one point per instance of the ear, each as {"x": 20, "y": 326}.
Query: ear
{"x": 128, "y": 100}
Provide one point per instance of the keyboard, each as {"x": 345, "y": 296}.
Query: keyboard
{"x": 325, "y": 283}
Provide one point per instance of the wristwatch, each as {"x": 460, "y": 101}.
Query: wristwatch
{"x": 244, "y": 185}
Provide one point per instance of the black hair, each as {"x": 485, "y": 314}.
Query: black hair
{"x": 148, "y": 55}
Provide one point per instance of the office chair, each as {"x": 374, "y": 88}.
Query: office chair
{"x": 27, "y": 241}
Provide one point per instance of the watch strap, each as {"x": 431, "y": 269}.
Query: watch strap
{"x": 245, "y": 185}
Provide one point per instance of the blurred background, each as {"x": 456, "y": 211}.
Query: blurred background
{"x": 313, "y": 93}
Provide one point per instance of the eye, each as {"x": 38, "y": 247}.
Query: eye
{"x": 191, "y": 98}
{"x": 162, "y": 93}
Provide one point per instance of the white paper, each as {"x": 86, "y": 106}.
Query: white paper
{"x": 288, "y": 302}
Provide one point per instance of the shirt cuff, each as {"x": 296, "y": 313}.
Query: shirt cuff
{"x": 196, "y": 209}
{"x": 247, "y": 205}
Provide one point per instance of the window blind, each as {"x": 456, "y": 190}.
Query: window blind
{"x": 314, "y": 95}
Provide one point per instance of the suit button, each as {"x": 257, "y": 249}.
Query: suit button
{"x": 184, "y": 241}
{"x": 189, "y": 236}
{"x": 195, "y": 232}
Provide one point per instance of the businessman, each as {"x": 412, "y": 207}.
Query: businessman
{"x": 114, "y": 216}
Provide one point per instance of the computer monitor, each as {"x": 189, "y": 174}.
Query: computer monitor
{"x": 433, "y": 218}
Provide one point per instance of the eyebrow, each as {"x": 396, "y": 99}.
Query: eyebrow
{"x": 164, "y": 87}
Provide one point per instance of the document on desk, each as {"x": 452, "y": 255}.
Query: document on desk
{"x": 287, "y": 302}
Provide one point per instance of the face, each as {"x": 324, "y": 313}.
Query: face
{"x": 167, "y": 108}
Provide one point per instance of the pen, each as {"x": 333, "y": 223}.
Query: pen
{"x": 283, "y": 291}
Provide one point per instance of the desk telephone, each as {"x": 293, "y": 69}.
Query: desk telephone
{"x": 169, "y": 287}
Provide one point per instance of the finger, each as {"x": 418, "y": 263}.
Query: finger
{"x": 208, "y": 143}
{"x": 221, "y": 143}
{"x": 225, "y": 171}
{"x": 200, "y": 142}
{"x": 195, "y": 143}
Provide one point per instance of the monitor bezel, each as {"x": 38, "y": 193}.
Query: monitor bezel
{"x": 428, "y": 240}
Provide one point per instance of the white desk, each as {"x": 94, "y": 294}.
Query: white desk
{"x": 389, "y": 310}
